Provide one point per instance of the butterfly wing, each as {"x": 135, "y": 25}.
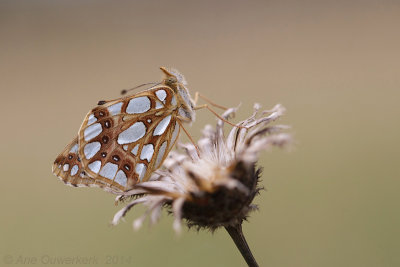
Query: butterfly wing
{"x": 68, "y": 167}
{"x": 123, "y": 141}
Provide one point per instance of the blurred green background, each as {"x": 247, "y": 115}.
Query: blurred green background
{"x": 331, "y": 200}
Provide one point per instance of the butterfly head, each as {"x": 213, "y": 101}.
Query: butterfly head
{"x": 173, "y": 77}
{"x": 176, "y": 81}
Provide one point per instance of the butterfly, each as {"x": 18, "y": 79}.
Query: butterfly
{"x": 123, "y": 141}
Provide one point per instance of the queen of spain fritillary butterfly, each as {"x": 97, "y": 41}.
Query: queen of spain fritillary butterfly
{"x": 122, "y": 141}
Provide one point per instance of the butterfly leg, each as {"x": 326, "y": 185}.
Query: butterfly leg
{"x": 180, "y": 119}
{"x": 217, "y": 115}
{"x": 197, "y": 95}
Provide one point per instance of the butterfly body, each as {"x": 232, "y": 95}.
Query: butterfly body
{"x": 177, "y": 83}
{"x": 122, "y": 142}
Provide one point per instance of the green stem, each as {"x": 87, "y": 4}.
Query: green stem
{"x": 236, "y": 234}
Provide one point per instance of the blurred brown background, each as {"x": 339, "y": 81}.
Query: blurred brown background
{"x": 332, "y": 200}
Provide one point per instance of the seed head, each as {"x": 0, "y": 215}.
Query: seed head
{"x": 212, "y": 185}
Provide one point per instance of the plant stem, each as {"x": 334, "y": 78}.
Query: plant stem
{"x": 236, "y": 234}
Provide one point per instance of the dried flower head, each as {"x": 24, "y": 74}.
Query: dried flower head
{"x": 214, "y": 184}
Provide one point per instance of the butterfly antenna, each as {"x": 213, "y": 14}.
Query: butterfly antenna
{"x": 123, "y": 92}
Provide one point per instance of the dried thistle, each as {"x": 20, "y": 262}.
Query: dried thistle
{"x": 214, "y": 184}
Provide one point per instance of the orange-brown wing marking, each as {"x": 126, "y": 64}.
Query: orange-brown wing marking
{"x": 114, "y": 136}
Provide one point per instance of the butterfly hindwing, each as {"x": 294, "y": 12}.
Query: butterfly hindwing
{"x": 68, "y": 167}
{"x": 123, "y": 141}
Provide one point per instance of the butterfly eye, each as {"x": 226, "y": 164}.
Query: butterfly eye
{"x": 115, "y": 158}
{"x": 104, "y": 154}
{"x": 127, "y": 167}
{"x": 170, "y": 80}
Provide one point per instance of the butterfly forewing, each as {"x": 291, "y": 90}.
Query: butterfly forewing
{"x": 123, "y": 141}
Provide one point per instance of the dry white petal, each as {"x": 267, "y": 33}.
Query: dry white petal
{"x": 121, "y": 213}
{"x": 177, "y": 210}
